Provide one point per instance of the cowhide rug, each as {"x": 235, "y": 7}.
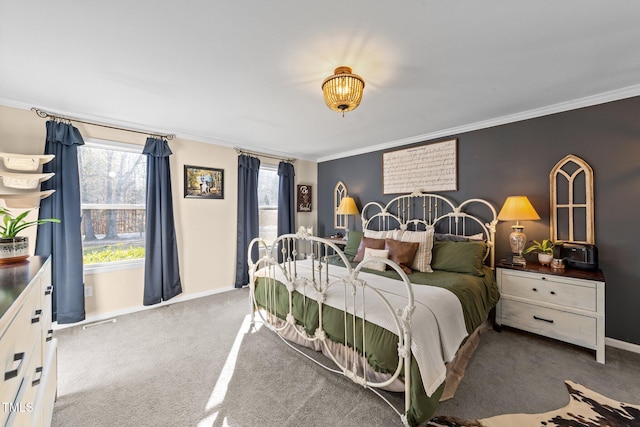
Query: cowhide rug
{"x": 585, "y": 409}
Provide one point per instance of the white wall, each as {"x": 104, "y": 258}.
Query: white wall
{"x": 206, "y": 229}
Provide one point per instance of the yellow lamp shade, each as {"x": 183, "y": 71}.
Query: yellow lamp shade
{"x": 348, "y": 206}
{"x": 518, "y": 208}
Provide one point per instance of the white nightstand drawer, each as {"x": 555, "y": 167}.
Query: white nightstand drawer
{"x": 569, "y": 327}
{"x": 544, "y": 288}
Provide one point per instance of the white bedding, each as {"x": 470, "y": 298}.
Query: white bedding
{"x": 438, "y": 326}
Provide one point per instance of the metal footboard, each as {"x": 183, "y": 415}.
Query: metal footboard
{"x": 326, "y": 284}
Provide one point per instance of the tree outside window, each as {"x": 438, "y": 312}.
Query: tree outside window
{"x": 268, "y": 183}
{"x": 113, "y": 202}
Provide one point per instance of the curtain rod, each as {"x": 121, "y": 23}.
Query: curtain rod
{"x": 45, "y": 114}
{"x": 255, "y": 153}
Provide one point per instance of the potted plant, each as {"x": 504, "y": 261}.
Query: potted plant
{"x": 544, "y": 250}
{"x": 14, "y": 248}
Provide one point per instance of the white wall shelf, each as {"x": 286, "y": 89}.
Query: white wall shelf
{"x": 25, "y": 162}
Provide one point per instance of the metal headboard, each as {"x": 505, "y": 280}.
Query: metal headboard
{"x": 417, "y": 211}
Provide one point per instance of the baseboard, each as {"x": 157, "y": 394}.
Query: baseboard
{"x": 135, "y": 309}
{"x": 634, "y": 348}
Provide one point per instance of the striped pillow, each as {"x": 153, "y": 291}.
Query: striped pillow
{"x": 387, "y": 234}
{"x": 422, "y": 259}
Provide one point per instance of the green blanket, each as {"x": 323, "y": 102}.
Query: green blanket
{"x": 477, "y": 294}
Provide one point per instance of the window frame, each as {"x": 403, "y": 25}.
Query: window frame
{"x": 105, "y": 267}
{"x": 271, "y": 168}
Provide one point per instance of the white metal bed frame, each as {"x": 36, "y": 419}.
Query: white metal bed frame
{"x": 414, "y": 211}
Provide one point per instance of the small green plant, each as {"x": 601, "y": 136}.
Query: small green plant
{"x": 12, "y": 225}
{"x": 545, "y": 247}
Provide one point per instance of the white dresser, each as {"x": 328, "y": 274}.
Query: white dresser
{"x": 565, "y": 305}
{"x": 27, "y": 346}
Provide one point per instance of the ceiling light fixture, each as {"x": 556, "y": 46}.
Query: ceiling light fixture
{"x": 343, "y": 90}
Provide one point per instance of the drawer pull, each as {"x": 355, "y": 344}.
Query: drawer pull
{"x": 543, "y": 319}
{"x": 49, "y": 335}
{"x": 36, "y": 382}
{"x": 553, "y": 292}
{"x": 18, "y": 357}
{"x": 36, "y": 319}
{"x": 48, "y": 290}
{"x": 535, "y": 289}
{"x": 543, "y": 278}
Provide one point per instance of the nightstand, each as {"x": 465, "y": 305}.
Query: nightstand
{"x": 338, "y": 241}
{"x": 566, "y": 305}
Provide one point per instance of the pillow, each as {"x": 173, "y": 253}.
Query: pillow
{"x": 385, "y": 234}
{"x": 457, "y": 238}
{"x": 422, "y": 259}
{"x": 402, "y": 253}
{"x": 459, "y": 257}
{"x": 367, "y": 242}
{"x": 353, "y": 243}
{"x": 479, "y": 236}
{"x": 376, "y": 253}
{"x": 451, "y": 237}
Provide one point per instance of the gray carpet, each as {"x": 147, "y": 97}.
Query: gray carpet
{"x": 170, "y": 366}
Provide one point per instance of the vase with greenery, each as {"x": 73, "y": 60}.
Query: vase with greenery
{"x": 14, "y": 248}
{"x": 544, "y": 250}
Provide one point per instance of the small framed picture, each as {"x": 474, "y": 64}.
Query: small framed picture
{"x": 203, "y": 183}
{"x": 303, "y": 202}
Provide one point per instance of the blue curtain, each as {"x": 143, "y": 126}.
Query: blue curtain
{"x": 286, "y": 199}
{"x": 161, "y": 269}
{"x": 248, "y": 225}
{"x": 63, "y": 241}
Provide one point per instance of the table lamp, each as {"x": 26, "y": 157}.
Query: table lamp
{"x": 518, "y": 208}
{"x": 347, "y": 207}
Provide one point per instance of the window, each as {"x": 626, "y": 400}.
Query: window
{"x": 268, "y": 183}
{"x": 112, "y": 198}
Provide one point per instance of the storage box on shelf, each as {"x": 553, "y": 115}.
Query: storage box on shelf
{"x": 27, "y": 346}
{"x": 567, "y": 305}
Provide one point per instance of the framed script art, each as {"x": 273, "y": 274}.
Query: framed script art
{"x": 303, "y": 202}
{"x": 426, "y": 168}
{"x": 203, "y": 183}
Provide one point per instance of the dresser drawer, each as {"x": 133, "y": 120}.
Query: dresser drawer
{"x": 45, "y": 397}
{"x": 569, "y": 327}
{"x": 31, "y": 382}
{"x": 546, "y": 289}
{"x": 27, "y": 348}
{"x": 19, "y": 341}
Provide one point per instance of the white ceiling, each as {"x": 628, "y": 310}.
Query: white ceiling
{"x": 248, "y": 73}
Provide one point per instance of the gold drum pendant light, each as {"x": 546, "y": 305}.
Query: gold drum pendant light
{"x": 343, "y": 90}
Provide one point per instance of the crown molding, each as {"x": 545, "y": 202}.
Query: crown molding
{"x": 139, "y": 126}
{"x": 588, "y": 101}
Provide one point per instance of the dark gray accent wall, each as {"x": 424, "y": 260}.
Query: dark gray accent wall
{"x": 516, "y": 159}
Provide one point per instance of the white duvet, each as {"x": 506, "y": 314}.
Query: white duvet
{"x": 437, "y": 324}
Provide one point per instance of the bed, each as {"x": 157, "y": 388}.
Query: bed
{"x": 400, "y": 308}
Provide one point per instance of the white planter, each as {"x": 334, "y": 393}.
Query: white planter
{"x": 545, "y": 259}
{"x": 14, "y": 250}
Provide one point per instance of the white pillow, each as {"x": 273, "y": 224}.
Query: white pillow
{"x": 376, "y": 253}
{"x": 387, "y": 234}
{"x": 375, "y": 234}
{"x": 422, "y": 259}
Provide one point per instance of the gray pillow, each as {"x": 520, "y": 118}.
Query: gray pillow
{"x": 443, "y": 237}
